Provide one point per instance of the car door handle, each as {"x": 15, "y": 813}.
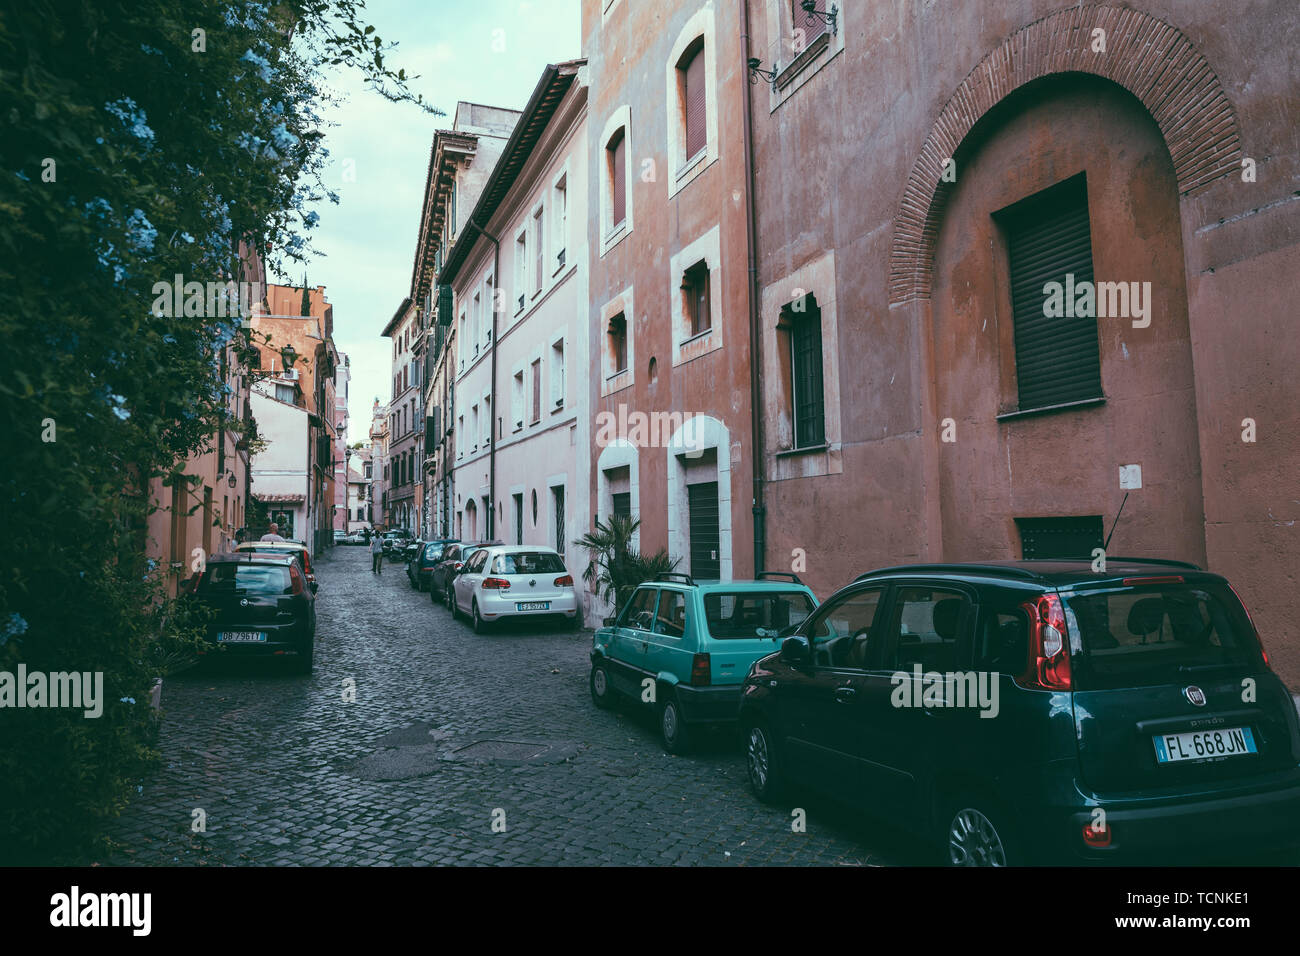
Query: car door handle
{"x": 645, "y": 645}
{"x": 844, "y": 694}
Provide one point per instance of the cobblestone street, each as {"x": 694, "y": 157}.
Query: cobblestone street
{"x": 287, "y": 772}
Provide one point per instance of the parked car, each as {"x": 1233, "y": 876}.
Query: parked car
{"x": 339, "y": 535}
{"x": 500, "y": 581}
{"x": 411, "y": 549}
{"x": 1089, "y": 715}
{"x": 294, "y": 548}
{"x": 355, "y": 537}
{"x": 263, "y": 605}
{"x": 440, "y": 575}
{"x": 419, "y": 569}
{"x": 685, "y": 647}
{"x": 395, "y": 542}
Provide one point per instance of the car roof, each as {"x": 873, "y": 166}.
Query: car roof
{"x": 1047, "y": 571}
{"x": 766, "y": 585}
{"x": 250, "y": 557}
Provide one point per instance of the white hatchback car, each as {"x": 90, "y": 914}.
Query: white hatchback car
{"x": 514, "y": 581}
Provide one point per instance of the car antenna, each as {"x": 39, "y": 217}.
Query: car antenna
{"x": 1106, "y": 546}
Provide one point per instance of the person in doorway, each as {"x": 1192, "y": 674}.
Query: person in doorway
{"x": 273, "y": 534}
{"x": 376, "y": 555}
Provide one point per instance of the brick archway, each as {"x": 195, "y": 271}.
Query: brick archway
{"x": 1148, "y": 57}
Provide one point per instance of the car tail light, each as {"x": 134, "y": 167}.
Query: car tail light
{"x": 564, "y": 581}
{"x": 499, "y": 584}
{"x": 295, "y": 577}
{"x": 459, "y": 565}
{"x": 1258, "y": 640}
{"x": 700, "y": 671}
{"x": 1049, "y": 645}
{"x": 1097, "y": 835}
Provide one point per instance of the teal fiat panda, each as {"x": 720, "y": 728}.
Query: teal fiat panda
{"x": 685, "y": 648}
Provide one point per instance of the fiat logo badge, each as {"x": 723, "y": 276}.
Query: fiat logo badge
{"x": 1194, "y": 695}
{"x": 243, "y": 602}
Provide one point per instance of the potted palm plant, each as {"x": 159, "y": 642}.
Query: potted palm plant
{"x": 617, "y": 566}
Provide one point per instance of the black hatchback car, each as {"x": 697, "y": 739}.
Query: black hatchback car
{"x": 1035, "y": 711}
{"x": 420, "y": 568}
{"x": 264, "y": 606}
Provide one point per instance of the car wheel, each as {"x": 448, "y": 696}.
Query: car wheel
{"x": 672, "y": 728}
{"x": 477, "y": 622}
{"x": 976, "y": 833}
{"x": 451, "y": 603}
{"x": 603, "y": 694}
{"x": 433, "y": 594}
{"x": 761, "y": 761}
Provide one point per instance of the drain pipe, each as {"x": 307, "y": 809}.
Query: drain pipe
{"x": 492, "y": 429}
{"x": 755, "y": 327}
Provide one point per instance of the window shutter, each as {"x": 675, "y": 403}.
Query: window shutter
{"x": 809, "y": 398}
{"x": 541, "y": 265}
{"x": 537, "y": 391}
{"x": 1057, "y": 359}
{"x": 617, "y": 152}
{"x": 812, "y": 27}
{"x": 696, "y": 130}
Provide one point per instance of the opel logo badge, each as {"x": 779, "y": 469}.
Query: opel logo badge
{"x": 1194, "y": 695}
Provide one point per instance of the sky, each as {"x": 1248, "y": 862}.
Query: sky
{"x": 368, "y": 239}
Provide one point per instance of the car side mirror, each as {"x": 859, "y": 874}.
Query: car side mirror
{"x": 795, "y": 650}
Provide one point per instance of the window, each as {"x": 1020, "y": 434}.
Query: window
{"x": 537, "y": 391}
{"x": 476, "y": 328}
{"x": 812, "y": 27}
{"x": 557, "y": 503}
{"x": 561, "y": 212}
{"x": 1049, "y": 247}
{"x": 640, "y": 610}
{"x": 539, "y": 266}
{"x": 1060, "y": 537}
{"x": 521, "y": 267}
{"x": 690, "y": 71}
{"x": 284, "y": 393}
{"x": 841, "y": 633}
{"x": 557, "y": 374}
{"x": 519, "y": 518}
{"x": 748, "y": 616}
{"x": 474, "y": 425}
{"x": 623, "y": 503}
{"x": 616, "y": 157}
{"x": 517, "y": 400}
{"x": 695, "y": 287}
{"x": 670, "y": 617}
{"x": 809, "y": 412}
{"x": 618, "y": 342}
{"x": 487, "y": 420}
{"x": 924, "y": 630}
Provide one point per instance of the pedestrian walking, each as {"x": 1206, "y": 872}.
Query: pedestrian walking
{"x": 377, "y": 555}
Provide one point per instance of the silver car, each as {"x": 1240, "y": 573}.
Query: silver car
{"x": 514, "y": 581}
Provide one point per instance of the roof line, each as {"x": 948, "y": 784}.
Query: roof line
{"x": 517, "y": 148}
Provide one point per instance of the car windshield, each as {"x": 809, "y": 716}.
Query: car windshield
{"x": 528, "y": 562}
{"x": 247, "y": 579}
{"x": 1159, "y": 633}
{"x": 733, "y": 615}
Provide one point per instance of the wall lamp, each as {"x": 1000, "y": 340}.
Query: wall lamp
{"x": 756, "y": 70}
{"x": 810, "y": 7}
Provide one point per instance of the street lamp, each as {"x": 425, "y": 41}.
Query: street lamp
{"x": 288, "y": 355}
{"x": 810, "y": 7}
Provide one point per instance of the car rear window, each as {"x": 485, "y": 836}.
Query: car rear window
{"x": 247, "y": 579}
{"x": 433, "y": 552}
{"x": 739, "y": 615}
{"x": 528, "y": 562}
{"x": 1160, "y": 634}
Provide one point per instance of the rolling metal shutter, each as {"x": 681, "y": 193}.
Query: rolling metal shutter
{"x": 1059, "y": 537}
{"x": 705, "y": 543}
{"x": 623, "y": 503}
{"x": 1057, "y": 359}
{"x": 617, "y": 152}
{"x": 696, "y": 133}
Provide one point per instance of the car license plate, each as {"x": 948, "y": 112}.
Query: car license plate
{"x": 534, "y": 606}
{"x": 1205, "y": 745}
{"x": 241, "y": 637}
